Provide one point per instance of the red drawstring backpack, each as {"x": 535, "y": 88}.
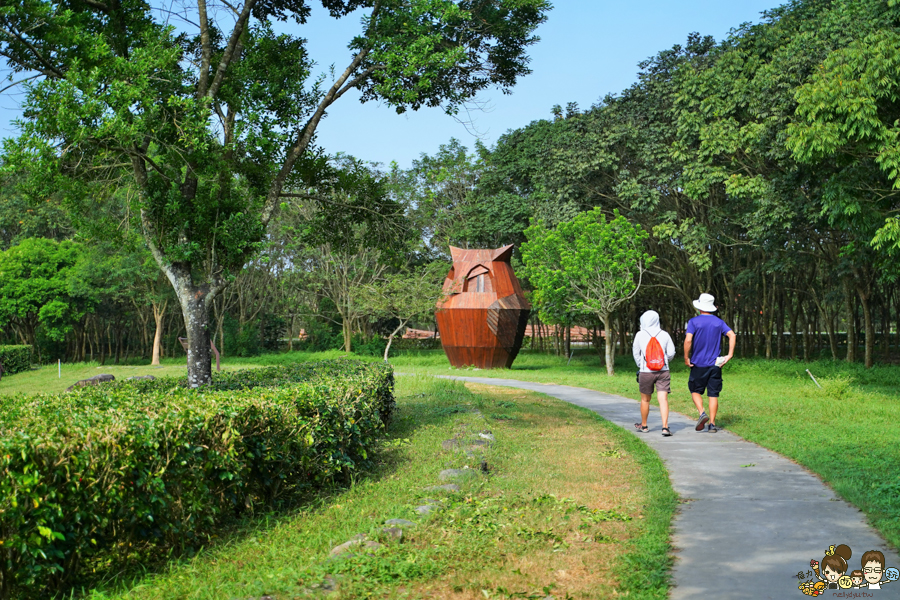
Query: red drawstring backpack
{"x": 654, "y": 356}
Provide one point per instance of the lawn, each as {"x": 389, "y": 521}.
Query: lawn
{"x": 847, "y": 432}
{"x": 569, "y": 505}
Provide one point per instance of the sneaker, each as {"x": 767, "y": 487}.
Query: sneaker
{"x": 712, "y": 428}
{"x": 701, "y": 422}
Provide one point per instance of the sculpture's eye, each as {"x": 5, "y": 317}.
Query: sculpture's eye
{"x": 479, "y": 280}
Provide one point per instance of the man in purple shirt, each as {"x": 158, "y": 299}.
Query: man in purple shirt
{"x": 704, "y": 337}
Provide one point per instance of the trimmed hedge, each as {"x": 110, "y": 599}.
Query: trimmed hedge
{"x": 103, "y": 470}
{"x": 15, "y": 359}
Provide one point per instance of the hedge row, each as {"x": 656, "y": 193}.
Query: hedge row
{"x": 15, "y": 359}
{"x": 103, "y": 470}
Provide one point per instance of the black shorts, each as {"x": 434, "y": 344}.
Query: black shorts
{"x": 706, "y": 379}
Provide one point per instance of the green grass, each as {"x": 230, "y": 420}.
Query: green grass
{"x": 571, "y": 506}
{"x": 847, "y": 432}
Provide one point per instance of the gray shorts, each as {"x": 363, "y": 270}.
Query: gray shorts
{"x": 659, "y": 379}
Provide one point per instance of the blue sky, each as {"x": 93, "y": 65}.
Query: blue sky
{"x": 588, "y": 48}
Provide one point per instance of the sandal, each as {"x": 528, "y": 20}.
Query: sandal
{"x": 666, "y": 432}
{"x": 641, "y": 428}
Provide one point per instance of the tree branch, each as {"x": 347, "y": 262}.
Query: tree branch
{"x": 230, "y": 50}
{"x": 98, "y": 5}
{"x": 306, "y": 134}
{"x": 12, "y": 85}
{"x": 33, "y": 50}
{"x": 205, "y": 49}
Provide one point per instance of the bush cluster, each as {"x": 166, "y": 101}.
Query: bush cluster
{"x": 416, "y": 344}
{"x": 15, "y": 359}
{"x": 103, "y": 470}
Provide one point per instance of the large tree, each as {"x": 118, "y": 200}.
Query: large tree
{"x": 589, "y": 266}
{"x": 209, "y": 116}
{"x": 406, "y": 295}
{"x": 35, "y": 288}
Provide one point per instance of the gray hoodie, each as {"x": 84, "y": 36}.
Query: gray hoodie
{"x": 650, "y": 328}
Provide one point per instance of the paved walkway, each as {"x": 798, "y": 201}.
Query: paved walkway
{"x": 742, "y": 532}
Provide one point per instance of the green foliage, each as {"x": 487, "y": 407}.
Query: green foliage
{"x": 103, "y": 470}
{"x": 34, "y": 286}
{"x": 585, "y": 266}
{"x": 433, "y": 343}
{"x": 374, "y": 346}
{"x": 21, "y": 217}
{"x": 407, "y": 295}
{"x": 847, "y": 120}
{"x": 240, "y": 341}
{"x": 272, "y": 328}
{"x": 15, "y": 359}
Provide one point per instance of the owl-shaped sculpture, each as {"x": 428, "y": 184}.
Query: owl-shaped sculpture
{"x": 483, "y": 315}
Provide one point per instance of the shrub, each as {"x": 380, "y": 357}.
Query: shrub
{"x": 272, "y": 329}
{"x": 15, "y": 359}
{"x": 104, "y": 470}
{"x": 373, "y": 346}
{"x": 416, "y": 344}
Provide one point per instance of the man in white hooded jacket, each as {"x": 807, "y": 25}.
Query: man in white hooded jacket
{"x": 647, "y": 379}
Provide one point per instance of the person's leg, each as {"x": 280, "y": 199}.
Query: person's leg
{"x": 645, "y": 409}
{"x": 714, "y": 389}
{"x": 696, "y": 387}
{"x": 698, "y": 401}
{"x": 645, "y": 387}
{"x": 663, "y": 398}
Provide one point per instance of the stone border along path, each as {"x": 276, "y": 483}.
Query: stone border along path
{"x": 469, "y": 443}
{"x": 750, "y": 519}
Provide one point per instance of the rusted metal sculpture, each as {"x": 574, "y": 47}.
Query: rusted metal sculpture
{"x": 483, "y": 316}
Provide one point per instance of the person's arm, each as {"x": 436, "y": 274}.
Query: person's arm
{"x": 636, "y": 350}
{"x": 670, "y": 348}
{"x": 732, "y": 340}
{"x": 688, "y": 339}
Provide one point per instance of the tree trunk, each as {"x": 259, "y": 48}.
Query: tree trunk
{"x": 291, "y": 333}
{"x": 610, "y": 355}
{"x": 832, "y": 338}
{"x": 779, "y": 325}
{"x": 159, "y": 312}
{"x": 886, "y": 325}
{"x": 195, "y": 311}
{"x": 792, "y": 311}
{"x": 851, "y": 328}
{"x": 804, "y": 322}
{"x": 348, "y": 338}
{"x": 387, "y": 348}
{"x": 533, "y": 330}
{"x": 868, "y": 324}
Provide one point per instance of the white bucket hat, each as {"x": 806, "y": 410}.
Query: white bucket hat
{"x": 705, "y": 303}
